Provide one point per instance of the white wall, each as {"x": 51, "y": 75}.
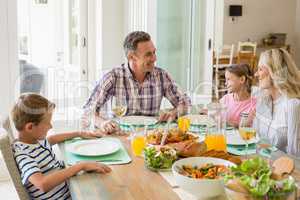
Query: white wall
{"x": 260, "y": 17}
{"x": 8, "y": 54}
{"x": 297, "y": 38}
{"x": 113, "y": 21}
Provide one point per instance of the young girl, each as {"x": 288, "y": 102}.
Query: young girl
{"x": 278, "y": 106}
{"x": 42, "y": 174}
{"x": 238, "y": 82}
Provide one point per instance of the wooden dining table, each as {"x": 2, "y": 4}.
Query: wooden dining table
{"x": 133, "y": 181}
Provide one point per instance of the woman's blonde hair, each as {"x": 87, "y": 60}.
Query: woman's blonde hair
{"x": 283, "y": 70}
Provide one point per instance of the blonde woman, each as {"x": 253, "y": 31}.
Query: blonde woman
{"x": 278, "y": 106}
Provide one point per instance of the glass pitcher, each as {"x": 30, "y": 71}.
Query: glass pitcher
{"x": 215, "y": 138}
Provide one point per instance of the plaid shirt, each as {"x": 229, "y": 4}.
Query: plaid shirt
{"x": 141, "y": 99}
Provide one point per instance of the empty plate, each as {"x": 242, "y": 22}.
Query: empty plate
{"x": 95, "y": 147}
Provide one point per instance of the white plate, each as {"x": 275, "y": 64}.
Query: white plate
{"x": 95, "y": 147}
{"x": 138, "y": 120}
{"x": 235, "y": 139}
{"x": 199, "y": 120}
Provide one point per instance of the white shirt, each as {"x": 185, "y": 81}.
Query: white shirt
{"x": 279, "y": 121}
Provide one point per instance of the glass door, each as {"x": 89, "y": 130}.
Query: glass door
{"x": 53, "y": 51}
{"x": 184, "y": 36}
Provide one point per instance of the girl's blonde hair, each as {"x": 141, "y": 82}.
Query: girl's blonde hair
{"x": 283, "y": 70}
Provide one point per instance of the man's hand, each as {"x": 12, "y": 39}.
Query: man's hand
{"x": 168, "y": 116}
{"x": 109, "y": 127}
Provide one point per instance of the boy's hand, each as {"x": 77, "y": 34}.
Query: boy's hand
{"x": 95, "y": 167}
{"x": 90, "y": 134}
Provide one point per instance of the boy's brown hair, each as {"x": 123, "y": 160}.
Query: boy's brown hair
{"x": 30, "y": 107}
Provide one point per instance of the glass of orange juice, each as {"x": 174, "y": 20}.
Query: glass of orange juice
{"x": 183, "y": 124}
{"x": 138, "y": 140}
{"x": 215, "y": 138}
{"x": 183, "y": 120}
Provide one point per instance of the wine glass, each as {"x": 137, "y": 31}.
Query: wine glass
{"x": 87, "y": 119}
{"x": 247, "y": 132}
{"x": 118, "y": 107}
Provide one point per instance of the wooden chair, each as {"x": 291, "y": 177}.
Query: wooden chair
{"x": 247, "y": 47}
{"x": 6, "y": 139}
{"x": 247, "y": 54}
{"x": 224, "y": 55}
{"x": 223, "y": 58}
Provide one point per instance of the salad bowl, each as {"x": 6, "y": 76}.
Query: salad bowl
{"x": 253, "y": 180}
{"x": 201, "y": 188}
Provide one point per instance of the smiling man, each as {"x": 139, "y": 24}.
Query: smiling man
{"x": 138, "y": 83}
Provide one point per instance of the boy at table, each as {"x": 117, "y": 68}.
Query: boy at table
{"x": 43, "y": 176}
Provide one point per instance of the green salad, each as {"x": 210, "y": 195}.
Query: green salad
{"x": 162, "y": 158}
{"x": 255, "y": 175}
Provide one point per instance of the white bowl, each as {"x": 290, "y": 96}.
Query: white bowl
{"x": 200, "y": 188}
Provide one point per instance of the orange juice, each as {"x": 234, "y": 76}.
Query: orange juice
{"x": 138, "y": 144}
{"x": 216, "y": 142}
{"x": 247, "y": 133}
{"x": 184, "y": 124}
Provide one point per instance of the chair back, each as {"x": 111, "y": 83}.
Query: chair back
{"x": 247, "y": 47}
{"x": 224, "y": 54}
{"x": 6, "y": 139}
{"x": 247, "y": 54}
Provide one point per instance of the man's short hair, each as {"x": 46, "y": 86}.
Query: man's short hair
{"x": 132, "y": 39}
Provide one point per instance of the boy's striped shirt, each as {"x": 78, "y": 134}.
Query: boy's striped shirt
{"x": 33, "y": 158}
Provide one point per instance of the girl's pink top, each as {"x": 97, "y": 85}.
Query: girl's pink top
{"x": 235, "y": 108}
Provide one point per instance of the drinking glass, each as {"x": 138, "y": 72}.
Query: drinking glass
{"x": 87, "y": 120}
{"x": 138, "y": 139}
{"x": 183, "y": 121}
{"x": 246, "y": 131}
{"x": 118, "y": 107}
{"x": 264, "y": 148}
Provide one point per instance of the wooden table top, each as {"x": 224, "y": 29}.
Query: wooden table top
{"x": 129, "y": 181}
{"x": 133, "y": 181}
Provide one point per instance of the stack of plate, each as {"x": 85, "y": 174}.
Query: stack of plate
{"x": 129, "y": 122}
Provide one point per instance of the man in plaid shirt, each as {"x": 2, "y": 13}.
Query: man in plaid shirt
{"x": 138, "y": 82}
